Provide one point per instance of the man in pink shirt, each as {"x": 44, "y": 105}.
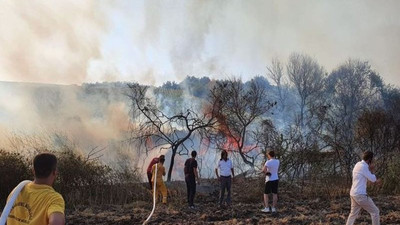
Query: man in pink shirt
{"x": 155, "y": 160}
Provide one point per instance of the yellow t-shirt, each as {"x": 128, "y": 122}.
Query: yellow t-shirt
{"x": 160, "y": 172}
{"x": 34, "y": 204}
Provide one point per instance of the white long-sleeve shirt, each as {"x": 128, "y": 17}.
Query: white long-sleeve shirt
{"x": 361, "y": 174}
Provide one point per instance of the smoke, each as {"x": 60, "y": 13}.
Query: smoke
{"x": 219, "y": 38}
{"x": 157, "y": 41}
{"x": 49, "y": 42}
{"x": 151, "y": 42}
{"x": 91, "y": 116}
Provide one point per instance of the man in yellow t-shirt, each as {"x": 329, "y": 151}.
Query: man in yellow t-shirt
{"x": 38, "y": 203}
{"x": 160, "y": 186}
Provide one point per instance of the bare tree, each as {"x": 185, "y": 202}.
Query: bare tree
{"x": 154, "y": 127}
{"x": 238, "y": 108}
{"x": 275, "y": 72}
{"x": 379, "y": 132}
{"x": 267, "y": 136}
{"x": 350, "y": 92}
{"x": 307, "y": 76}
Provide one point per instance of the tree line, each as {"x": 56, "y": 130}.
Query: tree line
{"x": 317, "y": 121}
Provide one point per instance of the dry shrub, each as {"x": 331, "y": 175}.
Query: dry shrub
{"x": 252, "y": 186}
{"x": 327, "y": 187}
{"x": 84, "y": 181}
{"x": 78, "y": 177}
{"x": 14, "y": 168}
{"x": 391, "y": 179}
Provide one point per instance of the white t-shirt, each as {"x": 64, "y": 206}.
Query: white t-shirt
{"x": 225, "y": 167}
{"x": 272, "y": 166}
{"x": 361, "y": 174}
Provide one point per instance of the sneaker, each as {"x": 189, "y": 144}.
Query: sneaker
{"x": 266, "y": 210}
{"x": 273, "y": 210}
{"x": 192, "y": 207}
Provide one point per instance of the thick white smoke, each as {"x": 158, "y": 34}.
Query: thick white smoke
{"x": 155, "y": 41}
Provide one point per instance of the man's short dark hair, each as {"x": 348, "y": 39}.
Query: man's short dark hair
{"x": 161, "y": 158}
{"x": 194, "y": 154}
{"x": 224, "y": 154}
{"x": 367, "y": 156}
{"x": 271, "y": 153}
{"x": 44, "y": 164}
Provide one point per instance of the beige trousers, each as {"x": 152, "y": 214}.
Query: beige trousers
{"x": 365, "y": 202}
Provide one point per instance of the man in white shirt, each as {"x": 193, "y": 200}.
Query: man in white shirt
{"x": 225, "y": 167}
{"x": 271, "y": 181}
{"x": 362, "y": 172}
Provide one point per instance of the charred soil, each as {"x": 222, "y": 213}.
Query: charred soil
{"x": 295, "y": 206}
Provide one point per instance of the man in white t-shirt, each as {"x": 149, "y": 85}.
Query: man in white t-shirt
{"x": 225, "y": 167}
{"x": 271, "y": 181}
{"x": 362, "y": 172}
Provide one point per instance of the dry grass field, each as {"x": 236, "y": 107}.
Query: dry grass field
{"x": 295, "y": 207}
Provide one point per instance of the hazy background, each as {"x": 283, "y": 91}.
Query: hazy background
{"x": 73, "y": 42}
{"x": 70, "y": 42}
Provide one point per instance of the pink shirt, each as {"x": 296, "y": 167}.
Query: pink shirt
{"x": 153, "y": 161}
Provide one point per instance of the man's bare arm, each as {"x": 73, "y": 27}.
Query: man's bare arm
{"x": 57, "y": 218}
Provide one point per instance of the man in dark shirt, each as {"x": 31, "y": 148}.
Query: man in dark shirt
{"x": 191, "y": 175}
{"x": 155, "y": 160}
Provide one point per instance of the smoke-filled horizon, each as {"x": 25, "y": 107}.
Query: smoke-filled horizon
{"x": 92, "y": 119}
{"x": 152, "y": 42}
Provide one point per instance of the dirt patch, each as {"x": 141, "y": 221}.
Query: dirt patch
{"x": 294, "y": 208}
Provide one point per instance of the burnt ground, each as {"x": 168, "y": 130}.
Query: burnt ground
{"x": 294, "y": 207}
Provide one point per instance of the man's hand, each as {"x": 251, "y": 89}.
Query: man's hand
{"x": 371, "y": 167}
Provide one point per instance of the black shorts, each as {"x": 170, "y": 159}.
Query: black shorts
{"x": 271, "y": 187}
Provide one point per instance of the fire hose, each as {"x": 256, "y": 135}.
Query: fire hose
{"x": 10, "y": 203}
{"x": 154, "y": 197}
{"x": 18, "y": 188}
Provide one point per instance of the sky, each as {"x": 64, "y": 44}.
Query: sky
{"x": 151, "y": 42}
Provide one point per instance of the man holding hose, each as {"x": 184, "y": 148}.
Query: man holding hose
{"x": 161, "y": 189}
{"x": 38, "y": 203}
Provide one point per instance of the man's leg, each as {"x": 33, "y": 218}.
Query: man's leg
{"x": 267, "y": 191}
{"x": 274, "y": 200}
{"x": 157, "y": 191}
{"x": 163, "y": 190}
{"x": 354, "y": 211}
{"x": 188, "y": 190}
{"x": 192, "y": 185}
{"x": 149, "y": 175}
{"x": 275, "y": 193}
{"x": 370, "y": 207}
{"x": 222, "y": 190}
{"x": 228, "y": 187}
{"x": 193, "y": 190}
{"x": 266, "y": 200}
